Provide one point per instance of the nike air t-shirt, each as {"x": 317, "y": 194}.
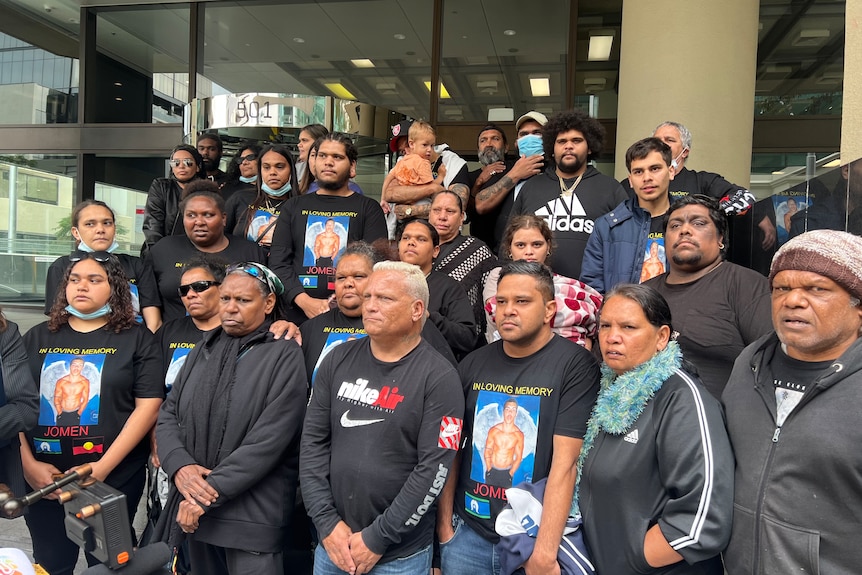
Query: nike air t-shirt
{"x": 377, "y": 445}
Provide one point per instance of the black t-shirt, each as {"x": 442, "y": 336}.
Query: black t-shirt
{"x": 312, "y": 233}
{"x": 142, "y": 282}
{"x": 792, "y": 378}
{"x": 553, "y": 390}
{"x": 571, "y": 217}
{"x": 262, "y": 221}
{"x": 102, "y": 373}
{"x": 170, "y": 253}
{"x": 716, "y": 316}
{"x": 655, "y": 259}
{"x": 450, "y": 310}
{"x": 176, "y": 339}
{"x": 461, "y": 177}
{"x": 228, "y": 189}
{"x": 323, "y": 333}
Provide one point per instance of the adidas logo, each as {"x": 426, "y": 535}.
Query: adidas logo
{"x": 566, "y": 214}
{"x": 563, "y": 206}
{"x": 631, "y": 436}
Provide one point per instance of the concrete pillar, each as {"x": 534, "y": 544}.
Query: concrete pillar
{"x": 691, "y": 62}
{"x": 851, "y": 119}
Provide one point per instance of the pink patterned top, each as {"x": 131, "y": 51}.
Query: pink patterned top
{"x": 577, "y": 308}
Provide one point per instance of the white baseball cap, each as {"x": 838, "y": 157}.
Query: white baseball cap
{"x": 532, "y": 115}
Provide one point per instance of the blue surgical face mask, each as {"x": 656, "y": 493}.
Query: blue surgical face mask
{"x": 85, "y": 248}
{"x": 102, "y": 311}
{"x": 250, "y": 180}
{"x": 530, "y": 145}
{"x": 277, "y": 193}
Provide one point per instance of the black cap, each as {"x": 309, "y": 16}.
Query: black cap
{"x": 399, "y": 130}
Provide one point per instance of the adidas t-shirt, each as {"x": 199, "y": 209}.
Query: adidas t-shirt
{"x": 514, "y": 407}
{"x": 571, "y": 217}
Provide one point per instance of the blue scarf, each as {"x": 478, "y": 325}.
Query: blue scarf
{"x": 622, "y": 399}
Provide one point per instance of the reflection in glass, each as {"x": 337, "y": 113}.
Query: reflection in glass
{"x": 819, "y": 194}
{"x": 800, "y": 59}
{"x": 36, "y": 197}
{"x": 142, "y": 65}
{"x": 301, "y": 47}
{"x": 128, "y": 206}
{"x": 832, "y": 203}
{"x": 36, "y": 86}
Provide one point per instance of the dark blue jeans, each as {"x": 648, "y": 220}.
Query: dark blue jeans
{"x": 468, "y": 553}
{"x": 417, "y": 564}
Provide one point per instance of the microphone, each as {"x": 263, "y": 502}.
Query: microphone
{"x": 149, "y": 560}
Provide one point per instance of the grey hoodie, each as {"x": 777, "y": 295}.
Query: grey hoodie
{"x": 798, "y": 488}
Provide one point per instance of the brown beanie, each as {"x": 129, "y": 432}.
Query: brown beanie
{"x": 835, "y": 255}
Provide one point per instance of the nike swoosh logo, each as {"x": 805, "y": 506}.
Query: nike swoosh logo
{"x": 447, "y": 434}
{"x": 347, "y": 422}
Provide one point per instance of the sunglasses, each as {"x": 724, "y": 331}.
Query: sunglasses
{"x": 99, "y": 256}
{"x": 187, "y": 162}
{"x": 254, "y": 271}
{"x": 197, "y": 287}
{"x": 248, "y": 158}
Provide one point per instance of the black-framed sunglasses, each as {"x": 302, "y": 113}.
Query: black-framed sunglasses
{"x": 248, "y": 158}
{"x": 187, "y": 162}
{"x": 100, "y": 256}
{"x": 197, "y": 287}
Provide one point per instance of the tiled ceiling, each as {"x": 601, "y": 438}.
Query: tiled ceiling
{"x": 297, "y": 47}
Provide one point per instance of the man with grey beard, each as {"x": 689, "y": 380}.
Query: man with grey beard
{"x": 491, "y": 186}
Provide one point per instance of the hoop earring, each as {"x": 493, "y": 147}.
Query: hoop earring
{"x": 720, "y": 246}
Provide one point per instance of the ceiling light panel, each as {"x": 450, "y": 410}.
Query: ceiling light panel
{"x": 540, "y": 87}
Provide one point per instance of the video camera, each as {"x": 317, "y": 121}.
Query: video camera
{"x": 97, "y": 520}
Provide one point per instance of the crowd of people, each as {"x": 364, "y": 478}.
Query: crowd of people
{"x": 316, "y": 381}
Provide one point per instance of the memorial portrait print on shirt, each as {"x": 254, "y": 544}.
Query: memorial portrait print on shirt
{"x": 505, "y": 430}
{"x": 70, "y": 386}
{"x": 325, "y": 239}
{"x": 335, "y": 337}
{"x": 260, "y": 230}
